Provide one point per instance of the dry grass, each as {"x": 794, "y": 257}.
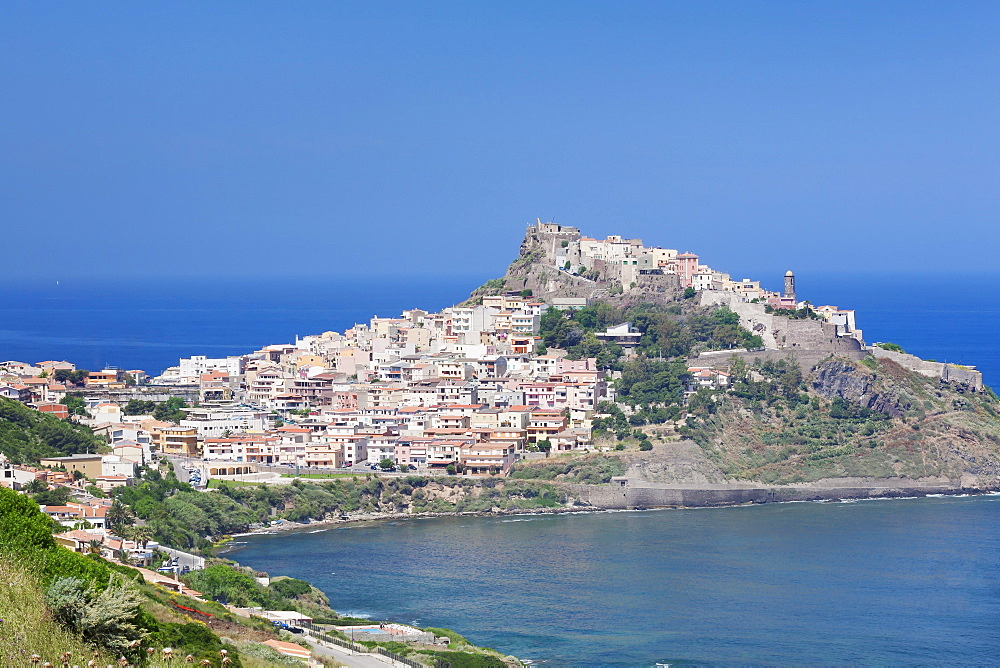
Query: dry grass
{"x": 27, "y": 628}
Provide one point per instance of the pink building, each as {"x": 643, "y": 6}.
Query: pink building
{"x": 687, "y": 267}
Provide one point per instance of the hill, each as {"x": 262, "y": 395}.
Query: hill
{"x": 27, "y": 435}
{"x": 793, "y": 398}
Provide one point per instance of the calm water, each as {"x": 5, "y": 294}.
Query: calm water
{"x": 150, "y": 325}
{"x": 902, "y": 582}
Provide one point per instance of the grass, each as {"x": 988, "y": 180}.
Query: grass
{"x": 449, "y": 634}
{"x": 27, "y": 628}
{"x": 320, "y": 475}
{"x": 215, "y": 484}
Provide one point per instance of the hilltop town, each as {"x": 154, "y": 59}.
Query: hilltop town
{"x": 469, "y": 390}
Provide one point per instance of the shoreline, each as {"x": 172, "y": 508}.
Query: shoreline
{"x": 686, "y": 497}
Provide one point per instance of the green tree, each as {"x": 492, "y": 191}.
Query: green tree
{"x": 386, "y": 464}
{"x": 139, "y": 407}
{"x": 75, "y": 402}
{"x": 119, "y": 515}
{"x": 170, "y": 410}
{"x": 35, "y": 486}
{"x": 52, "y": 497}
{"x": 103, "y": 617}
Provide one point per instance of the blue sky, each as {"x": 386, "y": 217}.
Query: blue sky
{"x": 187, "y": 139}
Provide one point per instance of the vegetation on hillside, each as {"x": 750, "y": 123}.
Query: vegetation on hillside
{"x": 669, "y": 332}
{"x": 778, "y": 425}
{"x": 592, "y": 470}
{"x": 66, "y": 601}
{"x": 27, "y": 435}
{"x": 183, "y": 518}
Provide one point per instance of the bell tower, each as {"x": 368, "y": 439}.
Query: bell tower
{"x": 789, "y": 285}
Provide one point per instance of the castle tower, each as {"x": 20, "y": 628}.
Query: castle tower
{"x": 789, "y": 285}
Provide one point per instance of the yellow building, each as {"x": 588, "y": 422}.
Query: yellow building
{"x": 88, "y": 465}
{"x": 179, "y": 441}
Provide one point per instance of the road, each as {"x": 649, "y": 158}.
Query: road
{"x": 347, "y": 657}
{"x": 192, "y": 561}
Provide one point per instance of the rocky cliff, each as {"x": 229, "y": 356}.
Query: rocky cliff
{"x": 541, "y": 267}
{"x": 850, "y": 419}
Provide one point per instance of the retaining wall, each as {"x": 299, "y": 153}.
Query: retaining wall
{"x": 636, "y": 496}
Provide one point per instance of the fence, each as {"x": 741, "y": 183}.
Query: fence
{"x": 396, "y": 657}
{"x": 347, "y": 644}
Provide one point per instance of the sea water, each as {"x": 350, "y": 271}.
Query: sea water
{"x": 900, "y": 582}
{"x": 888, "y": 582}
{"x": 149, "y": 325}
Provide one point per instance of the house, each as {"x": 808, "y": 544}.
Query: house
{"x": 181, "y": 440}
{"x": 57, "y": 410}
{"x": 14, "y": 477}
{"x": 110, "y": 482}
{"x": 115, "y": 465}
{"x": 91, "y": 466}
{"x": 290, "y": 617}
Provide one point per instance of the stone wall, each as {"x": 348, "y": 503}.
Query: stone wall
{"x": 549, "y": 238}
{"x": 780, "y": 332}
{"x": 641, "y": 495}
{"x": 159, "y": 393}
{"x": 947, "y": 372}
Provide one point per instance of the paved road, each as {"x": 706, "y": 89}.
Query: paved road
{"x": 348, "y": 657}
{"x": 192, "y": 561}
{"x": 179, "y": 463}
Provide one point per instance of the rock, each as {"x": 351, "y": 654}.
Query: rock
{"x": 839, "y": 378}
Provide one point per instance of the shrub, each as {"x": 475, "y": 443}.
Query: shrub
{"x": 105, "y": 618}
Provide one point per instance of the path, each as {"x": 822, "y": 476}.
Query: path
{"x": 348, "y": 657}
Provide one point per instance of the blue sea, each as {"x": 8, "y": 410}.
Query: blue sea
{"x": 908, "y": 582}
{"x": 913, "y": 582}
{"x": 149, "y": 325}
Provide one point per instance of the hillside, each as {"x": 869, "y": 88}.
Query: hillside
{"x": 838, "y": 423}
{"x": 849, "y": 419}
{"x": 26, "y": 435}
{"x": 805, "y": 404}
{"x": 63, "y": 607}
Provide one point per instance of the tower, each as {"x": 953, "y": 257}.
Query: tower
{"x": 789, "y": 285}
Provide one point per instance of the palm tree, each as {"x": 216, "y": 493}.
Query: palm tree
{"x": 142, "y": 534}
{"x": 119, "y": 515}
{"x": 94, "y": 546}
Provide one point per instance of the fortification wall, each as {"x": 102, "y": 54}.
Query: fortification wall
{"x": 780, "y": 332}
{"x": 657, "y": 283}
{"x": 752, "y": 316}
{"x": 947, "y": 372}
{"x": 549, "y": 237}
{"x": 813, "y": 335}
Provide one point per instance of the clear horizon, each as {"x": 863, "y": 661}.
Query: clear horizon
{"x": 268, "y": 140}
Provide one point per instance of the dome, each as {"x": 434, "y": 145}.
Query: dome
{"x": 789, "y": 273}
